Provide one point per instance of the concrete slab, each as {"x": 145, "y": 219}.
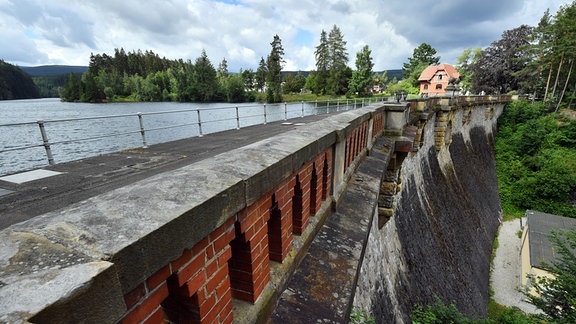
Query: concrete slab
{"x": 29, "y": 176}
{"x": 4, "y": 192}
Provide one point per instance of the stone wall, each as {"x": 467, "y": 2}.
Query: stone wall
{"x": 436, "y": 237}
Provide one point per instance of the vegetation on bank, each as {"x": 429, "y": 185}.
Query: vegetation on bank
{"x": 16, "y": 84}
{"x": 536, "y": 160}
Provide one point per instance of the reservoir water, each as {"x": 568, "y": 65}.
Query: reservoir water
{"x": 98, "y": 132}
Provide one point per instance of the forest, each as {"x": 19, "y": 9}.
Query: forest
{"x": 15, "y": 83}
{"x": 145, "y": 76}
{"x": 536, "y": 160}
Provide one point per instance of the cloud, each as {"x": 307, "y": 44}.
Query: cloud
{"x": 67, "y": 31}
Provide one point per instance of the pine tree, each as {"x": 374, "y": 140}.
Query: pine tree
{"x": 222, "y": 71}
{"x": 362, "y": 80}
{"x": 557, "y": 296}
{"x": 274, "y": 76}
{"x": 261, "y": 74}
{"x": 204, "y": 80}
{"x": 423, "y": 55}
{"x": 322, "y": 55}
{"x": 338, "y": 60}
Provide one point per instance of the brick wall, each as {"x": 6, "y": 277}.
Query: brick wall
{"x": 234, "y": 260}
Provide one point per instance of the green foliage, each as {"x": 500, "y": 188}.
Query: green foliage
{"x": 294, "y": 84}
{"x": 362, "y": 79}
{"x": 402, "y": 85}
{"x": 332, "y": 72}
{"x": 535, "y": 160}
{"x": 422, "y": 57}
{"x": 274, "y": 64}
{"x": 439, "y": 313}
{"x": 557, "y": 296}
{"x": 464, "y": 65}
{"x": 16, "y": 84}
{"x": 360, "y": 316}
{"x": 495, "y": 69}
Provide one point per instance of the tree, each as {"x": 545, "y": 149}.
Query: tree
{"x": 340, "y": 73}
{"x": 71, "y": 91}
{"x": 332, "y": 73}
{"x": 422, "y": 57}
{"x": 274, "y": 64}
{"x": 323, "y": 64}
{"x": 261, "y": 74}
{"x": 234, "y": 88}
{"x": 249, "y": 82}
{"x": 495, "y": 71}
{"x": 557, "y": 296}
{"x": 464, "y": 65}
{"x": 204, "y": 82}
{"x": 15, "y": 83}
{"x": 222, "y": 72}
{"x": 362, "y": 80}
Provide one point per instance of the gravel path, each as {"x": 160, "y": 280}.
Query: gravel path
{"x": 505, "y": 278}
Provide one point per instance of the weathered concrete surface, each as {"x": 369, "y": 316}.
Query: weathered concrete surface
{"x": 439, "y": 241}
{"x": 322, "y": 288}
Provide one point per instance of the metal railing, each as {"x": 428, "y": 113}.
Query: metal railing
{"x": 231, "y": 117}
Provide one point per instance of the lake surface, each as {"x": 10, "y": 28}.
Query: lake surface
{"x": 74, "y": 139}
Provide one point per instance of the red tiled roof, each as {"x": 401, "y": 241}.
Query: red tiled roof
{"x": 430, "y": 71}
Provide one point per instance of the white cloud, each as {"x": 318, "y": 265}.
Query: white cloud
{"x": 39, "y": 32}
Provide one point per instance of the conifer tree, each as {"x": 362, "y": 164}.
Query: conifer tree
{"x": 274, "y": 76}
{"x": 322, "y": 55}
{"x": 338, "y": 58}
{"x": 261, "y": 74}
{"x": 362, "y": 79}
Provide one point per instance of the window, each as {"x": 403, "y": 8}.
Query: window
{"x": 439, "y": 76}
{"x": 425, "y": 87}
{"x": 438, "y": 87}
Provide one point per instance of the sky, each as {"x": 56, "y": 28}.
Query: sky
{"x": 66, "y": 32}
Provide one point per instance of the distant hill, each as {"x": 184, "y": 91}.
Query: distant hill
{"x": 53, "y": 69}
{"x": 16, "y": 84}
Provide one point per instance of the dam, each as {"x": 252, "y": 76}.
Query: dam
{"x": 379, "y": 208}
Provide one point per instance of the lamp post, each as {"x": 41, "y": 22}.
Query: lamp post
{"x": 404, "y": 95}
{"x": 398, "y": 96}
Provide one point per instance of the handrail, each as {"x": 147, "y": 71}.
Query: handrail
{"x": 199, "y": 117}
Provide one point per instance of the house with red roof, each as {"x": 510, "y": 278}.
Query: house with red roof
{"x": 434, "y": 79}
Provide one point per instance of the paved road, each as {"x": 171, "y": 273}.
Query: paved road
{"x": 89, "y": 177}
{"x": 505, "y": 277}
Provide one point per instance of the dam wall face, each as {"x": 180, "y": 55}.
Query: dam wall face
{"x": 446, "y": 214}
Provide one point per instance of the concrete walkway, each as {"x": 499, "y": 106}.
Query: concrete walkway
{"x": 30, "y": 194}
{"x": 505, "y": 277}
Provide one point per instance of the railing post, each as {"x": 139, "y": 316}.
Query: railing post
{"x": 45, "y": 142}
{"x": 285, "y": 112}
{"x": 302, "y": 109}
{"x": 237, "y": 119}
{"x": 265, "y": 119}
{"x": 142, "y": 131}
{"x": 199, "y": 124}
{"x": 338, "y": 105}
{"x": 316, "y": 107}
